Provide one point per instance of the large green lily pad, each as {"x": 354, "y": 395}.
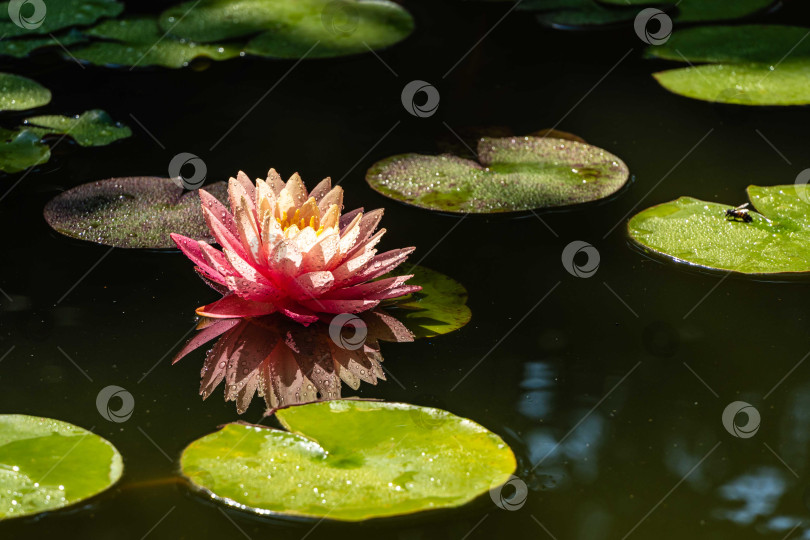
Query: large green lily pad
{"x": 777, "y": 240}
{"x": 91, "y": 128}
{"x": 439, "y": 308}
{"x": 21, "y": 149}
{"x": 140, "y": 42}
{"x": 19, "y": 93}
{"x": 47, "y": 464}
{"x": 746, "y": 65}
{"x": 284, "y": 29}
{"x": 514, "y": 174}
{"x": 58, "y": 15}
{"x": 134, "y": 212}
{"x": 350, "y": 460}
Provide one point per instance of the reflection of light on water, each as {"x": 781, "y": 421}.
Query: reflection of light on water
{"x": 538, "y": 380}
{"x": 576, "y": 451}
{"x": 759, "y": 493}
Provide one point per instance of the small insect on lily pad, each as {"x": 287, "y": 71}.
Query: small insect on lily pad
{"x": 21, "y": 149}
{"x": 134, "y": 212}
{"x": 439, "y": 308}
{"x": 284, "y": 29}
{"x": 774, "y": 238}
{"x": 20, "y": 93}
{"x": 514, "y": 174}
{"x": 350, "y": 460}
{"x": 139, "y": 42}
{"x": 744, "y": 65}
{"x": 47, "y": 464}
{"x": 91, "y": 128}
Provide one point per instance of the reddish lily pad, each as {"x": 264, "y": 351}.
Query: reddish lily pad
{"x": 514, "y": 174}
{"x": 134, "y": 212}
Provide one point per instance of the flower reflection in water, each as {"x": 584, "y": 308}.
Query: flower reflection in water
{"x": 288, "y": 363}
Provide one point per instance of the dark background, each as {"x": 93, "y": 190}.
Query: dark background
{"x": 625, "y": 444}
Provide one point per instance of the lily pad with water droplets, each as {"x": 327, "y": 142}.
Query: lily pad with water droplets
{"x": 745, "y": 65}
{"x": 776, "y": 240}
{"x": 350, "y": 460}
{"x": 54, "y": 16}
{"x": 47, "y": 464}
{"x": 92, "y": 128}
{"x": 21, "y": 149}
{"x": 134, "y": 212}
{"x": 283, "y": 29}
{"x": 19, "y": 93}
{"x": 439, "y": 308}
{"x": 139, "y": 42}
{"x": 515, "y": 174}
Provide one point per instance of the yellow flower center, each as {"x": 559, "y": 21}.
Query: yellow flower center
{"x": 300, "y": 223}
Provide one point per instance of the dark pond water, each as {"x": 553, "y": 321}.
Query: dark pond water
{"x": 611, "y": 388}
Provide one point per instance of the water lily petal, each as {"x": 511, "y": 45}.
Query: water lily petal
{"x": 205, "y": 335}
{"x": 233, "y": 306}
{"x": 339, "y": 306}
{"x": 334, "y": 196}
{"x": 323, "y": 187}
{"x": 191, "y": 249}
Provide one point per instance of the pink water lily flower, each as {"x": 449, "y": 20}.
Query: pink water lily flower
{"x": 288, "y": 251}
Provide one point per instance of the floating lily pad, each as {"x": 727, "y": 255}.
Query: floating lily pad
{"x": 515, "y": 174}
{"x": 284, "y": 29}
{"x": 19, "y": 93}
{"x": 55, "y": 16}
{"x": 92, "y": 128}
{"x": 439, "y": 308}
{"x": 20, "y": 48}
{"x": 589, "y": 13}
{"x": 776, "y": 240}
{"x": 47, "y": 464}
{"x": 350, "y": 461}
{"x": 135, "y": 212}
{"x": 746, "y": 65}
{"x": 140, "y": 42}
{"x": 21, "y": 149}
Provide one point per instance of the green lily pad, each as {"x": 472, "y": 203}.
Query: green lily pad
{"x": 587, "y": 13}
{"x": 91, "y": 128}
{"x": 746, "y": 65}
{"x": 21, "y": 149}
{"x": 56, "y": 16}
{"x": 18, "y": 93}
{"x": 350, "y": 460}
{"x": 285, "y": 29}
{"x": 47, "y": 464}
{"x": 776, "y": 240}
{"x": 439, "y": 308}
{"x": 135, "y": 212}
{"x": 20, "y": 48}
{"x": 140, "y": 42}
{"x": 515, "y": 174}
